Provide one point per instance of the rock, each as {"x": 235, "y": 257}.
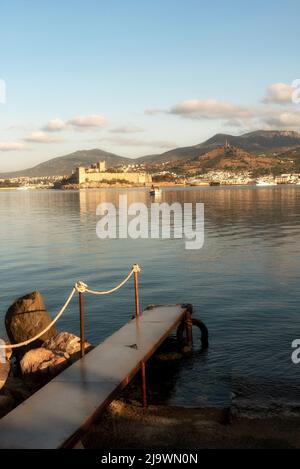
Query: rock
{"x": 18, "y": 389}
{"x": 169, "y": 356}
{"x": 6, "y": 405}
{"x": 187, "y": 350}
{"x": 4, "y": 372}
{"x": 25, "y": 318}
{"x": 55, "y": 355}
{"x": 5, "y": 355}
{"x": 66, "y": 343}
{"x": 42, "y": 363}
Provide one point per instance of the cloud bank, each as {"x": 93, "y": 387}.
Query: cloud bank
{"x": 270, "y": 114}
{"x": 42, "y": 137}
{"x": 12, "y": 146}
{"x": 279, "y": 93}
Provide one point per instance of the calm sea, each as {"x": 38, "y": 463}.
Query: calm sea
{"x": 244, "y": 282}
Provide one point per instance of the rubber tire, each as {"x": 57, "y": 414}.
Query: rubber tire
{"x": 203, "y": 329}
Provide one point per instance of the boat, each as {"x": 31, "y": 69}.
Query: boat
{"x": 22, "y": 188}
{"x": 199, "y": 183}
{"x": 214, "y": 183}
{"x": 266, "y": 183}
{"x": 154, "y": 191}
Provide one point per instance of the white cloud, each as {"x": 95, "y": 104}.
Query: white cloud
{"x": 209, "y": 109}
{"x": 127, "y": 129}
{"x": 272, "y": 117}
{"x": 205, "y": 109}
{"x": 42, "y": 137}
{"x": 283, "y": 120}
{"x": 78, "y": 122}
{"x": 12, "y": 146}
{"x": 55, "y": 125}
{"x": 279, "y": 93}
{"x": 86, "y": 122}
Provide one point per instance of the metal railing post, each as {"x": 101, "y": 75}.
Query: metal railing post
{"x": 136, "y": 270}
{"x": 144, "y": 384}
{"x": 189, "y": 328}
{"x": 81, "y": 315}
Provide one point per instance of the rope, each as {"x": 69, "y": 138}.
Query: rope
{"x": 26, "y": 342}
{"x": 80, "y": 287}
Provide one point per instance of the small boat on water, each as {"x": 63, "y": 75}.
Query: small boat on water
{"x": 199, "y": 183}
{"x": 22, "y": 188}
{"x": 266, "y": 183}
{"x": 155, "y": 191}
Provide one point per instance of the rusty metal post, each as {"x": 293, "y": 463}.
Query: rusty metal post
{"x": 136, "y": 270}
{"x": 189, "y": 328}
{"x": 81, "y": 315}
{"x": 144, "y": 384}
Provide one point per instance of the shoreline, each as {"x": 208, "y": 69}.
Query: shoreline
{"x": 75, "y": 187}
{"x": 198, "y": 428}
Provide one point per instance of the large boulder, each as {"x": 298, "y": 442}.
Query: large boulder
{"x": 25, "y": 318}
{"x": 55, "y": 355}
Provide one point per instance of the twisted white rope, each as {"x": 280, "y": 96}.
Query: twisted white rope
{"x": 80, "y": 287}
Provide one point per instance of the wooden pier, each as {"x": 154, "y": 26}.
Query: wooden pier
{"x": 58, "y": 414}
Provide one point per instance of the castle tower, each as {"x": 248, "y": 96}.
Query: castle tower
{"x": 80, "y": 174}
{"x": 101, "y": 166}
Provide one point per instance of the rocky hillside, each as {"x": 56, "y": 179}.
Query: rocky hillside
{"x": 64, "y": 165}
{"x": 263, "y": 145}
{"x": 261, "y": 141}
{"x": 231, "y": 158}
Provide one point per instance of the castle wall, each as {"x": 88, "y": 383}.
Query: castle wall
{"x": 136, "y": 178}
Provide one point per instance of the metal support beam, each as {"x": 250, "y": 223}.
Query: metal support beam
{"x": 144, "y": 385}
{"x": 136, "y": 290}
{"x": 81, "y": 314}
{"x": 189, "y": 328}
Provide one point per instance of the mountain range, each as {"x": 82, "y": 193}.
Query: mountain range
{"x": 257, "y": 143}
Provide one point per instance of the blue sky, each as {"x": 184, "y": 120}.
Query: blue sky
{"x": 141, "y": 77}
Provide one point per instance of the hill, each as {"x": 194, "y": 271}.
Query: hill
{"x": 235, "y": 159}
{"x": 260, "y": 144}
{"x": 64, "y": 165}
{"x": 261, "y": 141}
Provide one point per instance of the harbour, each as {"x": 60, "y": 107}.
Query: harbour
{"x": 232, "y": 294}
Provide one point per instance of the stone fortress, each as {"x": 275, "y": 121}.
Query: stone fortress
{"x": 97, "y": 173}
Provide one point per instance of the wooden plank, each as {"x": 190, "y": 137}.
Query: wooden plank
{"x": 65, "y": 407}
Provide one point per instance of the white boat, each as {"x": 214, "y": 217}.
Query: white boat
{"x": 155, "y": 191}
{"x": 266, "y": 183}
{"x": 22, "y": 188}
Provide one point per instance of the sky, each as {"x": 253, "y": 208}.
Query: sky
{"x": 137, "y": 77}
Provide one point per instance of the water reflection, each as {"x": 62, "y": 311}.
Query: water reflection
{"x": 243, "y": 283}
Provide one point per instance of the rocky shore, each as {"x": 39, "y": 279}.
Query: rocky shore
{"x": 128, "y": 425}
{"x": 24, "y": 370}
{"x": 125, "y": 423}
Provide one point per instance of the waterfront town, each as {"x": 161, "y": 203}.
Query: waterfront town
{"x": 136, "y": 175}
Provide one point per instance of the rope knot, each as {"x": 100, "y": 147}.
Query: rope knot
{"x": 136, "y": 268}
{"x": 80, "y": 287}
